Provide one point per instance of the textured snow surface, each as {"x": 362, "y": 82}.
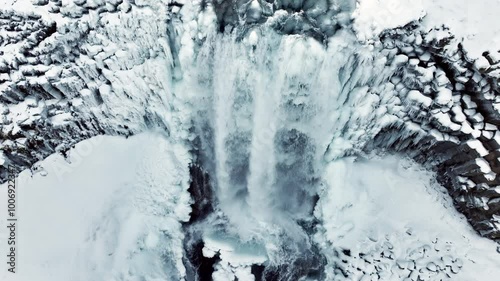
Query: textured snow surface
{"x": 394, "y": 214}
{"x": 113, "y": 212}
{"x": 474, "y": 22}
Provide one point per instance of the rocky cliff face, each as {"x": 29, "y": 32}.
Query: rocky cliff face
{"x": 99, "y": 68}
{"x": 449, "y": 118}
{"x": 70, "y": 72}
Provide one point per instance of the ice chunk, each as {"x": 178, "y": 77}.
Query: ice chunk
{"x": 444, "y": 96}
{"x": 419, "y": 98}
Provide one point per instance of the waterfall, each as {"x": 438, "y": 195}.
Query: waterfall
{"x": 266, "y": 107}
{"x": 271, "y": 110}
{"x": 275, "y": 103}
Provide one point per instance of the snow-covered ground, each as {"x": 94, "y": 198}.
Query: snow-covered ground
{"x": 476, "y": 22}
{"x": 394, "y": 213}
{"x": 113, "y": 213}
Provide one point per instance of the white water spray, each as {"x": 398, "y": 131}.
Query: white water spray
{"x": 276, "y": 105}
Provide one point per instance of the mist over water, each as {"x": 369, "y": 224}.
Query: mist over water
{"x": 265, "y": 107}
{"x": 270, "y": 110}
{"x": 273, "y": 110}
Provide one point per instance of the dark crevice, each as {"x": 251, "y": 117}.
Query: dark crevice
{"x": 201, "y": 194}
{"x": 258, "y": 272}
{"x": 199, "y": 267}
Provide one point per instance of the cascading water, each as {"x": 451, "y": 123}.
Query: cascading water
{"x": 278, "y": 107}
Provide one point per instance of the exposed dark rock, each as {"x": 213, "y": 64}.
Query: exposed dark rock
{"x": 201, "y": 193}
{"x": 467, "y": 154}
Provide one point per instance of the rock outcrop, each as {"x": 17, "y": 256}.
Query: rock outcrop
{"x": 73, "y": 78}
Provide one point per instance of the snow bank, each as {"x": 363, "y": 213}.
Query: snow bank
{"x": 474, "y": 22}
{"x": 373, "y": 16}
{"x": 391, "y": 210}
{"x": 112, "y": 213}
